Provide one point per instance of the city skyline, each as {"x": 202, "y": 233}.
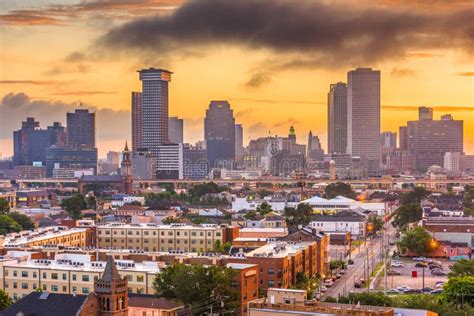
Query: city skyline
{"x": 261, "y": 92}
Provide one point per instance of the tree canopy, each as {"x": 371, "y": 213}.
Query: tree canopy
{"x": 4, "y": 206}
{"x": 5, "y": 300}
{"x": 418, "y": 241}
{"x": 23, "y": 220}
{"x": 459, "y": 290}
{"x": 299, "y": 216}
{"x": 407, "y": 214}
{"x": 462, "y": 267}
{"x": 74, "y": 205}
{"x": 198, "y": 286}
{"x": 8, "y": 225}
{"x": 339, "y": 188}
{"x": 415, "y": 196}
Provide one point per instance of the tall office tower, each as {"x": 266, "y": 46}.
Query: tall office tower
{"x": 363, "y": 116}
{"x": 30, "y": 142}
{"x": 219, "y": 134}
{"x": 136, "y": 121}
{"x": 154, "y": 108}
{"x": 337, "y": 118}
{"x": 314, "y": 149}
{"x": 169, "y": 161}
{"x": 81, "y": 128}
{"x": 388, "y": 143}
{"x": 429, "y": 140}
{"x": 176, "y": 127}
{"x": 239, "y": 143}
{"x": 425, "y": 113}
{"x": 195, "y": 164}
{"x": 402, "y": 138}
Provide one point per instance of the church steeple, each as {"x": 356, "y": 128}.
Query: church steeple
{"x": 126, "y": 170}
{"x": 112, "y": 291}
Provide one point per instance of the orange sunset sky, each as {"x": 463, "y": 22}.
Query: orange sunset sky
{"x": 273, "y": 60}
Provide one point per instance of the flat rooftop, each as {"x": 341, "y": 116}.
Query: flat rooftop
{"x": 156, "y": 226}
{"x": 24, "y": 237}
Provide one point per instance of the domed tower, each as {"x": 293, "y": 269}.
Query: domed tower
{"x": 126, "y": 170}
{"x": 111, "y": 291}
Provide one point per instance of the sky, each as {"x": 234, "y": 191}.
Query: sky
{"x": 272, "y": 60}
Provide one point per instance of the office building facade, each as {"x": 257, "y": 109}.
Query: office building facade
{"x": 70, "y": 158}
{"x": 239, "y": 143}
{"x": 428, "y": 140}
{"x": 363, "y": 116}
{"x": 195, "y": 164}
{"x": 337, "y": 118}
{"x": 169, "y": 161}
{"x": 136, "y": 121}
{"x": 81, "y": 128}
{"x": 176, "y": 128}
{"x": 219, "y": 134}
{"x": 154, "y": 108}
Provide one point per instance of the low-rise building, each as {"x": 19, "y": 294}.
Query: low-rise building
{"x": 347, "y": 221}
{"x": 31, "y": 197}
{"x": 55, "y": 235}
{"x": 69, "y": 274}
{"x": 152, "y": 237}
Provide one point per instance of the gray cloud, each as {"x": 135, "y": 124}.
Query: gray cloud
{"x": 403, "y": 72}
{"x": 15, "y": 107}
{"x": 328, "y": 31}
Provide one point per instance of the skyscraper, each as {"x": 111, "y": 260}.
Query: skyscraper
{"x": 30, "y": 142}
{"x": 239, "y": 143}
{"x": 136, "y": 120}
{"x": 402, "y": 137}
{"x": 176, "y": 127}
{"x": 154, "y": 109}
{"x": 81, "y": 128}
{"x": 219, "y": 134}
{"x": 314, "y": 149}
{"x": 429, "y": 140}
{"x": 337, "y": 118}
{"x": 363, "y": 116}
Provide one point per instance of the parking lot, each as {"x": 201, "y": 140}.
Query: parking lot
{"x": 406, "y": 279}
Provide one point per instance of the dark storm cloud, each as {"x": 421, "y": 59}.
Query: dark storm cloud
{"x": 330, "y": 32}
{"x": 16, "y": 107}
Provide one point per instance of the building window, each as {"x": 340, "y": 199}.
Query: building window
{"x": 85, "y": 290}
{"x": 15, "y": 285}
{"x": 54, "y": 288}
{"x": 24, "y": 274}
{"x": 15, "y": 273}
{"x": 74, "y": 277}
{"x": 54, "y": 276}
{"x": 64, "y": 288}
{"x": 85, "y": 278}
{"x": 35, "y": 275}
{"x": 130, "y": 278}
{"x": 44, "y": 287}
{"x": 140, "y": 278}
{"x": 24, "y": 286}
{"x": 34, "y": 286}
{"x": 64, "y": 276}
{"x": 74, "y": 289}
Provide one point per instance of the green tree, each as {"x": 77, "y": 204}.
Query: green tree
{"x": 5, "y": 300}
{"x": 252, "y": 215}
{"x": 193, "y": 285}
{"x": 414, "y": 197}
{"x": 25, "y": 222}
{"x": 418, "y": 241}
{"x": 4, "y": 206}
{"x": 337, "y": 264}
{"x": 372, "y": 299}
{"x": 8, "y": 225}
{"x": 310, "y": 284}
{"x": 376, "y": 223}
{"x": 222, "y": 248}
{"x": 468, "y": 202}
{"x": 339, "y": 188}
{"x": 434, "y": 303}
{"x": 299, "y": 216}
{"x": 74, "y": 205}
{"x": 460, "y": 290}
{"x": 171, "y": 220}
{"x": 462, "y": 268}
{"x": 264, "y": 208}
{"x": 407, "y": 214}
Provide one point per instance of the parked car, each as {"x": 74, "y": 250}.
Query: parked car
{"x": 328, "y": 283}
{"x": 323, "y": 289}
{"x": 426, "y": 289}
{"x": 435, "y": 266}
{"x": 403, "y": 288}
{"x": 439, "y": 284}
{"x": 438, "y": 273}
{"x": 357, "y": 285}
{"x": 338, "y": 276}
{"x": 437, "y": 291}
{"x": 397, "y": 265}
{"x": 419, "y": 259}
{"x": 393, "y": 272}
{"x": 420, "y": 265}
{"x": 350, "y": 261}
{"x": 413, "y": 291}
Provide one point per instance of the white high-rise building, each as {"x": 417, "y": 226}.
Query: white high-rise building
{"x": 239, "y": 142}
{"x": 363, "y": 116}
